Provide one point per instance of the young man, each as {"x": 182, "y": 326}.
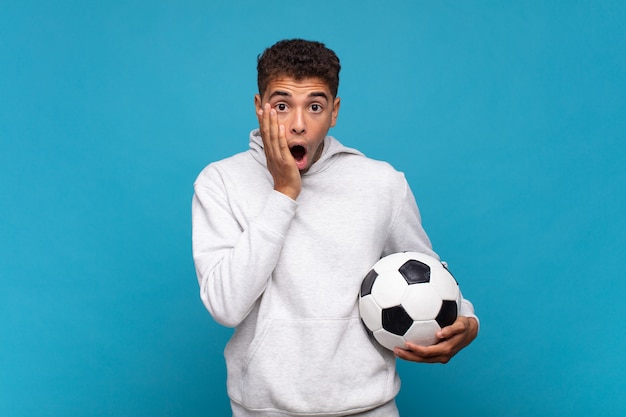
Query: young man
{"x": 283, "y": 235}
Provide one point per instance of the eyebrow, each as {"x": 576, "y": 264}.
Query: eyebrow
{"x": 313, "y": 94}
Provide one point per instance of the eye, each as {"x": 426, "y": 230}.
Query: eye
{"x": 281, "y": 107}
{"x": 316, "y": 108}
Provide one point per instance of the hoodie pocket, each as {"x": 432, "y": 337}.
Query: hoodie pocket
{"x": 316, "y": 366}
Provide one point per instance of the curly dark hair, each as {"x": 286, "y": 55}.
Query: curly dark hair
{"x": 298, "y": 58}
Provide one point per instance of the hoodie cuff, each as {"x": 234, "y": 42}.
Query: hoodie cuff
{"x": 277, "y": 214}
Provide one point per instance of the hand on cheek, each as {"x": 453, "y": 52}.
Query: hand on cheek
{"x": 280, "y": 162}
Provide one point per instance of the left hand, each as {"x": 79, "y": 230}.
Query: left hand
{"x": 280, "y": 163}
{"x": 452, "y": 339}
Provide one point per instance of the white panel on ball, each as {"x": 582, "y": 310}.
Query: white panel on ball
{"x": 391, "y": 262}
{"x": 389, "y": 340}
{"x": 421, "y": 301}
{"x": 444, "y": 284}
{"x": 370, "y": 313}
{"x": 388, "y": 289}
{"x": 422, "y": 333}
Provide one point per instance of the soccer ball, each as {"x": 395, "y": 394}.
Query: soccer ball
{"x": 409, "y": 297}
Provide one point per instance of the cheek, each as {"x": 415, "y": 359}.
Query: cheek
{"x": 323, "y": 124}
{"x": 318, "y": 144}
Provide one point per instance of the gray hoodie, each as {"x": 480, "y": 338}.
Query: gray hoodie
{"x": 286, "y": 274}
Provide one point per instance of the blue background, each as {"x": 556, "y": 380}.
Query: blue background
{"x": 508, "y": 119}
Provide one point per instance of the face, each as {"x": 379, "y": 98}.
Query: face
{"x": 307, "y": 110}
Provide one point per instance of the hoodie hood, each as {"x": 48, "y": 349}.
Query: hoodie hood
{"x": 332, "y": 148}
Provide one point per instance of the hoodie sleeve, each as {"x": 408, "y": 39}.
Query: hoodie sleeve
{"x": 407, "y": 234}
{"x": 234, "y": 262}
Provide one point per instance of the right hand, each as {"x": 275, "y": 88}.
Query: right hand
{"x": 280, "y": 162}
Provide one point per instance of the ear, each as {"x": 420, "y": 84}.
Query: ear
{"x": 257, "y": 105}
{"x": 335, "y": 112}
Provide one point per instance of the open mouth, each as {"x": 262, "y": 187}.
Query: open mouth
{"x": 298, "y": 152}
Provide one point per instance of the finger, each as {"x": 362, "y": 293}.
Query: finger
{"x": 284, "y": 146}
{"x": 441, "y": 349}
{"x": 268, "y": 133}
{"x": 264, "y": 124}
{"x": 458, "y": 327}
{"x": 412, "y": 356}
{"x": 408, "y": 355}
{"x": 278, "y": 138}
{"x": 282, "y": 143}
{"x": 273, "y": 125}
{"x": 451, "y": 330}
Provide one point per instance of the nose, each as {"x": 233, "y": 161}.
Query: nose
{"x": 298, "y": 123}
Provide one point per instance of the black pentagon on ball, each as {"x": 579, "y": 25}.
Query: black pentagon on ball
{"x": 447, "y": 313}
{"x": 415, "y": 272}
{"x": 368, "y": 283}
{"x": 396, "y": 320}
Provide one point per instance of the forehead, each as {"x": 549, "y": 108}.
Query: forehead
{"x": 289, "y": 86}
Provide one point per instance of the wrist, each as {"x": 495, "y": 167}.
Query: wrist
{"x": 288, "y": 191}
